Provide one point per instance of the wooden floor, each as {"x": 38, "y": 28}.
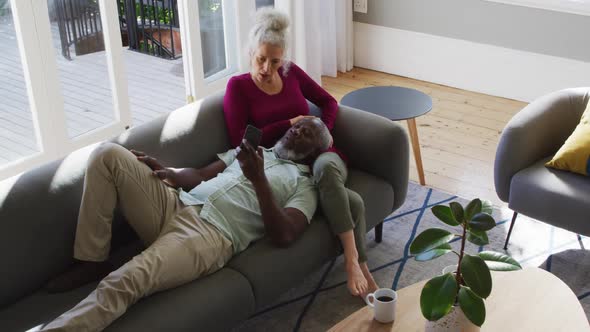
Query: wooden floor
{"x": 155, "y": 86}
{"x": 458, "y": 138}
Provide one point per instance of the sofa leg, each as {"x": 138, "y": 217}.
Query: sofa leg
{"x": 510, "y": 230}
{"x": 379, "y": 232}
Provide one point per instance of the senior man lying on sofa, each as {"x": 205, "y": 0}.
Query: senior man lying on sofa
{"x": 216, "y": 213}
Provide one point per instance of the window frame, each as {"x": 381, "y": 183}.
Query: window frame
{"x": 237, "y": 20}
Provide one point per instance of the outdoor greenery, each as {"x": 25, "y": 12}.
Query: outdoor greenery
{"x": 4, "y": 7}
{"x": 147, "y": 47}
{"x": 155, "y": 13}
{"x": 210, "y": 5}
{"x": 472, "y": 282}
{"x": 161, "y": 13}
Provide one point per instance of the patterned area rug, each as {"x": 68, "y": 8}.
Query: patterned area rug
{"x": 322, "y": 299}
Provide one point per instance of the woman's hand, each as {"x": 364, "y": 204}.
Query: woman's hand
{"x": 165, "y": 174}
{"x": 251, "y": 162}
{"x": 299, "y": 118}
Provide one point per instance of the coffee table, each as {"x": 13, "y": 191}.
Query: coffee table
{"x": 394, "y": 103}
{"x": 527, "y": 300}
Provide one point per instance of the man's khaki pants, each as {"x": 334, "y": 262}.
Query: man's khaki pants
{"x": 181, "y": 246}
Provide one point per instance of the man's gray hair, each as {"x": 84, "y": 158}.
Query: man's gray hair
{"x": 325, "y": 136}
{"x": 325, "y": 140}
{"x": 270, "y": 27}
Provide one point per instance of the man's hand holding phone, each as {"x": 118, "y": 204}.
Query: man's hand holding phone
{"x": 250, "y": 155}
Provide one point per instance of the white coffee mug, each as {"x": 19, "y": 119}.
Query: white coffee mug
{"x": 383, "y": 302}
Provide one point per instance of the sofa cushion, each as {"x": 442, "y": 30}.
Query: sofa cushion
{"x": 190, "y": 136}
{"x": 537, "y": 191}
{"x": 273, "y": 270}
{"x": 39, "y": 209}
{"x": 200, "y": 305}
{"x": 574, "y": 155}
{"x": 40, "y": 308}
{"x": 376, "y": 193}
{"x": 214, "y": 303}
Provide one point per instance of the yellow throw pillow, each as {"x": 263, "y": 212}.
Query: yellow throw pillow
{"x": 574, "y": 155}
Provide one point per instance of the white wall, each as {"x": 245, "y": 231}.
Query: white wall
{"x": 489, "y": 69}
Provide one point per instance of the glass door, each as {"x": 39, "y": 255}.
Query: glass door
{"x": 75, "y": 72}
{"x": 71, "y": 57}
{"x": 77, "y": 39}
{"x": 153, "y": 54}
{"x": 18, "y": 136}
{"x": 214, "y": 33}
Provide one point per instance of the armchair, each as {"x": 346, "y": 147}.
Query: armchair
{"x": 529, "y": 140}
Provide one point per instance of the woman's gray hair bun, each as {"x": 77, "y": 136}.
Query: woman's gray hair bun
{"x": 270, "y": 27}
{"x": 268, "y": 18}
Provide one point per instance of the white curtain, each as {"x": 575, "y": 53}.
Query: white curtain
{"x": 321, "y": 35}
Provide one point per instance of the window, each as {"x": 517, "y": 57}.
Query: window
{"x": 76, "y": 72}
{"x": 153, "y": 57}
{"x": 581, "y": 7}
{"x": 212, "y": 36}
{"x": 212, "y": 44}
{"x": 265, "y": 3}
{"x": 78, "y": 42}
{"x": 18, "y": 137}
{"x": 69, "y": 56}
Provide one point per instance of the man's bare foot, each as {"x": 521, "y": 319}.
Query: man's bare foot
{"x": 79, "y": 274}
{"x": 371, "y": 284}
{"x": 357, "y": 284}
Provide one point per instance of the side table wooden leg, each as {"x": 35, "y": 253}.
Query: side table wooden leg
{"x": 416, "y": 148}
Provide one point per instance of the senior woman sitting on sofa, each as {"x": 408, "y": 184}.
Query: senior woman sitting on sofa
{"x": 272, "y": 96}
{"x": 192, "y": 220}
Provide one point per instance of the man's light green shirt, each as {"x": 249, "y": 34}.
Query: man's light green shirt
{"x": 229, "y": 201}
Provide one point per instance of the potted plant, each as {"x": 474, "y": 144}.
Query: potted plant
{"x": 460, "y": 293}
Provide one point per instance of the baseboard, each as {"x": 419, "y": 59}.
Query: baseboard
{"x": 484, "y": 68}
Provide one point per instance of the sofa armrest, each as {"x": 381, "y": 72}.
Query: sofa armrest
{"x": 375, "y": 145}
{"x": 39, "y": 209}
{"x": 536, "y": 132}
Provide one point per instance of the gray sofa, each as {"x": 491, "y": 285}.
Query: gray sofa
{"x": 38, "y": 213}
{"x": 530, "y": 139}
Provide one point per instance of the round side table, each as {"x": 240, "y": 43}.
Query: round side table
{"x": 394, "y": 103}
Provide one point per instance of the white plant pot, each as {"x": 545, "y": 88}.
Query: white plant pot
{"x": 450, "y": 269}
{"x": 454, "y": 321}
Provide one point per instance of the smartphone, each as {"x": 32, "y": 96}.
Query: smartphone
{"x": 253, "y": 136}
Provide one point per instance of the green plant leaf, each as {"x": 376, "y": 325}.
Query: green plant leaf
{"x": 444, "y": 214}
{"x": 434, "y": 253}
{"x": 479, "y": 238}
{"x": 482, "y": 222}
{"x": 476, "y": 275}
{"x": 487, "y": 207}
{"x": 458, "y": 212}
{"x": 473, "y": 208}
{"x": 499, "y": 262}
{"x": 472, "y": 306}
{"x": 438, "y": 296}
{"x": 430, "y": 239}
